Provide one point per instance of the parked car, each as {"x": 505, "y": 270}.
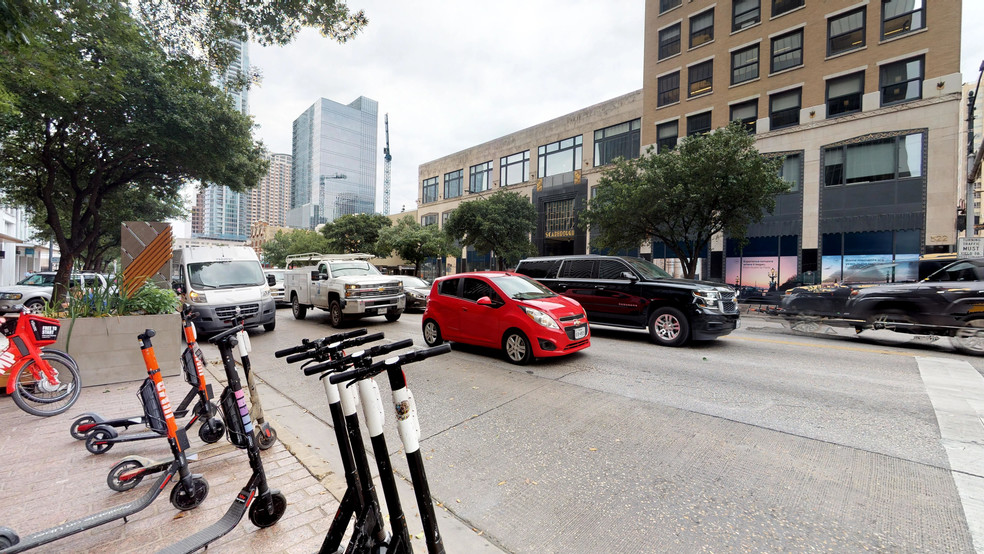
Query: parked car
{"x": 949, "y": 302}
{"x": 277, "y": 286}
{"x": 416, "y": 289}
{"x": 504, "y": 310}
{"x": 829, "y": 299}
{"x": 634, "y": 293}
{"x": 34, "y": 291}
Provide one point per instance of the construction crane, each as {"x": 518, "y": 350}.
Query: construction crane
{"x": 387, "y": 159}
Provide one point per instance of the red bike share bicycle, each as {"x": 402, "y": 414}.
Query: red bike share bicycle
{"x": 42, "y": 381}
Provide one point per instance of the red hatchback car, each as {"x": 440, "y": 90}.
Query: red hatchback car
{"x": 504, "y": 310}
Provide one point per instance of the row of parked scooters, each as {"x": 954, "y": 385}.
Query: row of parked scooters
{"x": 245, "y": 427}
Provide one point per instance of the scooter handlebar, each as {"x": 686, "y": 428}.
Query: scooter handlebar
{"x": 339, "y": 363}
{"x": 309, "y": 344}
{"x": 378, "y": 367}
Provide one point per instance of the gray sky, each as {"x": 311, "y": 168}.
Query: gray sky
{"x": 455, "y": 74}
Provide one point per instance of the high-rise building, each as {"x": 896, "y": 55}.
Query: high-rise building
{"x": 334, "y": 167}
{"x": 268, "y": 202}
{"x": 224, "y": 213}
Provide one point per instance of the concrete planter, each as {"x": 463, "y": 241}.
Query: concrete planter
{"x": 108, "y": 351}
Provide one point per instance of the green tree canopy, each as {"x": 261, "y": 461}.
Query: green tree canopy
{"x": 414, "y": 242}
{"x": 356, "y": 233}
{"x": 711, "y": 183}
{"x": 298, "y": 241}
{"x": 501, "y": 223}
{"x": 101, "y": 111}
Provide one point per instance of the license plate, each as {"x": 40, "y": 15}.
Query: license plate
{"x": 372, "y": 311}
{"x": 580, "y": 332}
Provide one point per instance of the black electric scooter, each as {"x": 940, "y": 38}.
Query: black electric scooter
{"x": 409, "y": 427}
{"x": 188, "y": 493}
{"x": 100, "y": 434}
{"x": 270, "y": 505}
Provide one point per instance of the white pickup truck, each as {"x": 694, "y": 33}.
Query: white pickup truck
{"x": 346, "y": 285}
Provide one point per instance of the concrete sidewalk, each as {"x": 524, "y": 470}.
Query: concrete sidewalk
{"x": 48, "y": 478}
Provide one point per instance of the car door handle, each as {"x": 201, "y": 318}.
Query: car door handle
{"x": 600, "y": 287}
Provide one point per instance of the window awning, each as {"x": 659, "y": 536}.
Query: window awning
{"x": 8, "y": 238}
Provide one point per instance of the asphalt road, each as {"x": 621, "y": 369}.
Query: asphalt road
{"x": 766, "y": 440}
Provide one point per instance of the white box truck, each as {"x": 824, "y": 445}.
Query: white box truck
{"x": 221, "y": 282}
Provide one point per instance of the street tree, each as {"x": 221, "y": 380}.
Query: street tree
{"x": 414, "y": 242}
{"x": 711, "y": 183}
{"x": 501, "y": 223}
{"x": 355, "y": 233}
{"x": 100, "y": 109}
{"x": 296, "y": 241}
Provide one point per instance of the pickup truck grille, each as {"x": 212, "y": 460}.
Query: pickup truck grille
{"x": 728, "y": 303}
{"x": 388, "y": 289}
{"x": 228, "y": 312}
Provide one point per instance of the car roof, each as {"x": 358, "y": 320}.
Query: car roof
{"x": 480, "y": 274}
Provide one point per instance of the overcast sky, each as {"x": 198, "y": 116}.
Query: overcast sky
{"x": 455, "y": 74}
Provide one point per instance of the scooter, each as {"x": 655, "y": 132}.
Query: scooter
{"x": 266, "y": 436}
{"x": 100, "y": 434}
{"x": 409, "y": 428}
{"x": 266, "y": 506}
{"x": 188, "y": 493}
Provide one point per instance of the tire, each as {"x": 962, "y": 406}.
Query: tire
{"x": 35, "y": 305}
{"x": 335, "y": 317}
{"x": 885, "y": 319}
{"x": 117, "y": 482}
{"x": 263, "y": 440}
{"x": 517, "y": 347}
{"x": 432, "y": 333}
{"x": 970, "y": 339}
{"x": 393, "y": 316}
{"x": 88, "y": 421}
{"x": 211, "y": 430}
{"x": 95, "y": 442}
{"x": 36, "y": 396}
{"x": 184, "y": 499}
{"x": 8, "y": 537}
{"x": 261, "y": 517}
{"x": 270, "y": 326}
{"x": 296, "y": 308}
{"x": 669, "y": 327}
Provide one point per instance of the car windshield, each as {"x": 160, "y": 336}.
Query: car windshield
{"x": 414, "y": 282}
{"x": 519, "y": 287}
{"x": 341, "y": 269}
{"x": 225, "y": 274}
{"x": 38, "y": 280}
{"x": 648, "y": 270}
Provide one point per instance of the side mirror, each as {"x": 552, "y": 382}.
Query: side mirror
{"x": 630, "y": 276}
{"x": 271, "y": 280}
{"x": 485, "y": 301}
{"x": 315, "y": 276}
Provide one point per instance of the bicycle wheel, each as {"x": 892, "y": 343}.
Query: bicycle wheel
{"x": 68, "y": 358}
{"x": 34, "y": 394}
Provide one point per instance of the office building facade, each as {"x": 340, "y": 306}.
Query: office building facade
{"x": 269, "y": 201}
{"x": 334, "y": 162}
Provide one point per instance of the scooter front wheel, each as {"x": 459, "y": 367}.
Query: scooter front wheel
{"x": 261, "y": 517}
{"x": 98, "y": 440}
{"x": 265, "y": 436}
{"x": 80, "y": 427}
{"x": 185, "y": 498}
{"x": 212, "y": 430}
{"x": 124, "y": 476}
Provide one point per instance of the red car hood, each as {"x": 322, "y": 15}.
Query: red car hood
{"x": 558, "y": 306}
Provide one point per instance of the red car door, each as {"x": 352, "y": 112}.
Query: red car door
{"x": 479, "y": 324}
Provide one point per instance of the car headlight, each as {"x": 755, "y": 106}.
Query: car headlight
{"x": 707, "y": 298}
{"x": 415, "y": 294}
{"x": 540, "y": 317}
{"x": 11, "y": 296}
{"x": 197, "y": 297}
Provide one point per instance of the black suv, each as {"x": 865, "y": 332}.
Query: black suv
{"x": 631, "y": 292}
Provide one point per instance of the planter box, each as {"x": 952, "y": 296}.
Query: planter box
{"x": 108, "y": 351}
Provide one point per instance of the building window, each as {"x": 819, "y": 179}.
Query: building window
{"x": 666, "y": 5}
{"x": 780, "y": 7}
{"x": 669, "y": 41}
{"x": 784, "y": 109}
{"x": 480, "y": 177}
{"x": 701, "y": 77}
{"x": 902, "y": 16}
{"x": 787, "y": 51}
{"x": 747, "y": 113}
{"x": 514, "y": 169}
{"x": 430, "y": 190}
{"x": 844, "y": 94}
{"x": 791, "y": 171}
{"x": 702, "y": 28}
{"x": 699, "y": 124}
{"x": 901, "y": 81}
{"x": 618, "y": 140}
{"x": 877, "y": 160}
{"x": 666, "y": 136}
{"x": 745, "y": 13}
{"x": 445, "y": 217}
{"x": 745, "y": 64}
{"x": 559, "y": 220}
{"x": 430, "y": 219}
{"x": 668, "y": 89}
{"x": 845, "y": 32}
{"x": 559, "y": 157}
{"x": 452, "y": 184}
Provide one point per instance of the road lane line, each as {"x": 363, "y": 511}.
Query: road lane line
{"x": 833, "y": 346}
{"x": 956, "y": 390}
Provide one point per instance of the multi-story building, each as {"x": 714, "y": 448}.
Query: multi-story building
{"x": 334, "y": 162}
{"x": 268, "y": 202}
{"x": 861, "y": 99}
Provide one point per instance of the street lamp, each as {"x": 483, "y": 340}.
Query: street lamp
{"x": 971, "y": 155}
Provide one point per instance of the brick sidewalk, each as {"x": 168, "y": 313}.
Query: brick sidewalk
{"x": 47, "y": 478}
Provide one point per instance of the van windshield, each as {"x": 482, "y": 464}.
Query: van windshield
{"x": 225, "y": 274}
{"x": 38, "y": 280}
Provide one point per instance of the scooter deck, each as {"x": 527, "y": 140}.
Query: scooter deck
{"x": 213, "y": 532}
{"x": 72, "y": 527}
